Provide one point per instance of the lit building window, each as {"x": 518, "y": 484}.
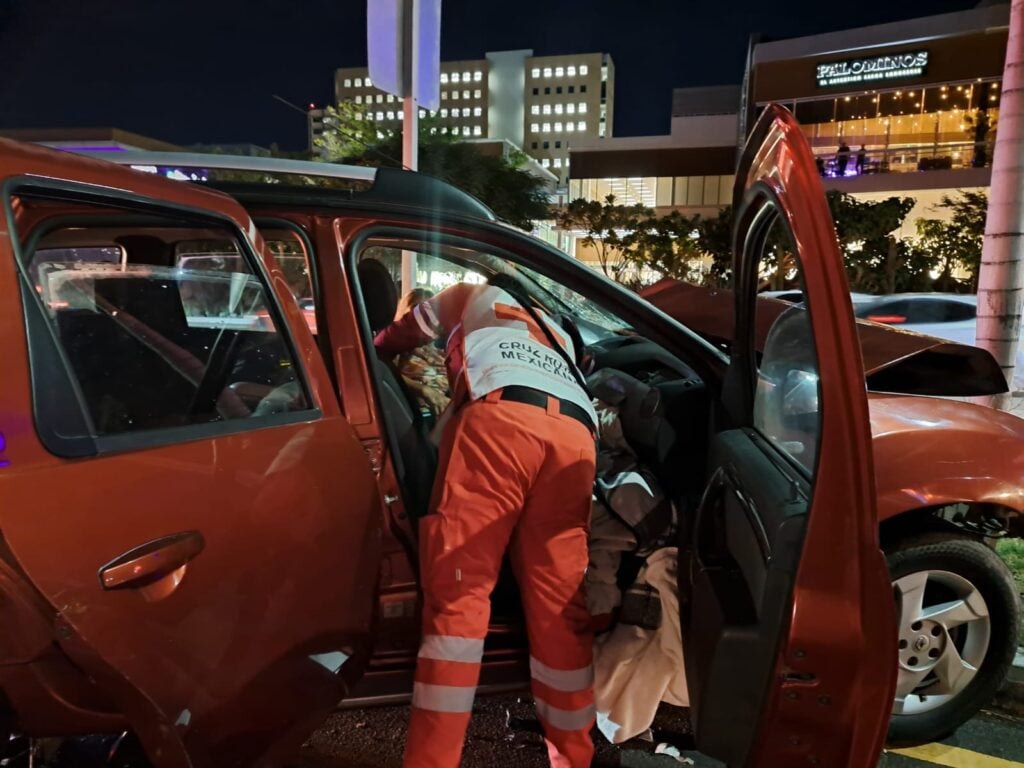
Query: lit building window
{"x": 584, "y": 70}
{"x": 571, "y": 71}
{"x": 535, "y": 109}
{"x": 455, "y": 130}
{"x": 477, "y": 111}
{"x": 582, "y": 108}
{"x": 547, "y": 71}
{"x": 466, "y": 77}
{"x": 444, "y": 77}
{"x": 559, "y": 72}
{"x": 359, "y": 82}
{"x": 444, "y": 94}
{"x": 558, "y": 109}
{"x": 455, "y": 94}
{"x": 444, "y": 113}
{"x": 558, "y": 162}
{"x": 478, "y": 131}
{"x": 547, "y": 127}
{"x": 569, "y": 127}
{"x": 380, "y": 98}
{"x": 570, "y": 108}
{"x": 478, "y": 76}
{"x": 444, "y": 129}
{"x": 348, "y": 82}
{"x": 535, "y": 72}
{"x": 391, "y": 115}
{"x": 359, "y": 99}
{"x": 535, "y": 127}
{"x": 391, "y": 98}
{"x": 558, "y": 127}
{"x": 581, "y": 125}
{"x": 456, "y": 78}
{"x": 369, "y": 84}
{"x": 547, "y": 109}
{"x": 465, "y": 94}
{"x": 380, "y": 115}
{"x": 600, "y": 130}
{"x": 423, "y": 113}
{"x": 456, "y": 113}
{"x": 546, "y": 163}
{"x": 477, "y": 94}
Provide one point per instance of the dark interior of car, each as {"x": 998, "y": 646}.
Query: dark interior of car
{"x": 674, "y": 448}
{"x": 151, "y": 347}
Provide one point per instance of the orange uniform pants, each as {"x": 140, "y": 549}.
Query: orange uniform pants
{"x": 513, "y": 477}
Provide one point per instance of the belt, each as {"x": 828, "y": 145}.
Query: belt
{"x": 530, "y": 396}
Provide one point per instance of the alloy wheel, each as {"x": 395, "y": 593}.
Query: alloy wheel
{"x": 944, "y": 633}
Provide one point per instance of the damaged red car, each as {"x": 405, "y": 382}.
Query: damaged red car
{"x": 212, "y": 484}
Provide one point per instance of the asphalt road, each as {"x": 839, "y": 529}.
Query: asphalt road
{"x": 504, "y": 732}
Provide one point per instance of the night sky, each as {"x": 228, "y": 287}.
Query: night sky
{"x": 205, "y": 70}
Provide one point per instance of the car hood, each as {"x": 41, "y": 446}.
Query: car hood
{"x": 894, "y": 360}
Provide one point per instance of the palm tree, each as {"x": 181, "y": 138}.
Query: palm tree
{"x": 1001, "y": 278}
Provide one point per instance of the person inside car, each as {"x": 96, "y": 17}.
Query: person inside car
{"x": 422, "y": 368}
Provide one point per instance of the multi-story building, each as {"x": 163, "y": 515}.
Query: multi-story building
{"x": 542, "y": 104}
{"x": 920, "y": 96}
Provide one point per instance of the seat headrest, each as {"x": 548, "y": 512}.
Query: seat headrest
{"x": 146, "y": 249}
{"x": 380, "y": 295}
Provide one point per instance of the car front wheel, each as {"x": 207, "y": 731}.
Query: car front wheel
{"x": 959, "y": 615}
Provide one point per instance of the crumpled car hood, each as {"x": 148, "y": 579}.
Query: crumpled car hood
{"x": 894, "y": 360}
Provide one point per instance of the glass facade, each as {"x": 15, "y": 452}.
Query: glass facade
{"x": 903, "y": 129}
{"x": 657, "y": 191}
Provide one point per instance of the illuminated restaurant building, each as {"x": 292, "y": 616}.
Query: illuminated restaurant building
{"x": 910, "y": 107}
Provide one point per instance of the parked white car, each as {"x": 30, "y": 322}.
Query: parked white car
{"x": 945, "y": 315}
{"x": 797, "y": 296}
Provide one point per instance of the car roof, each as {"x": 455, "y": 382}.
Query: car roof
{"x": 371, "y": 186}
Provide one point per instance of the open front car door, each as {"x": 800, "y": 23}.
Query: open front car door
{"x": 787, "y": 610}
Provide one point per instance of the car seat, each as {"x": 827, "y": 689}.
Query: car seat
{"x": 414, "y": 456}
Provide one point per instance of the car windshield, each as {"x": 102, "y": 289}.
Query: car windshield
{"x": 441, "y": 265}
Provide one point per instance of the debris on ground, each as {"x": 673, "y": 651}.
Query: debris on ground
{"x": 667, "y": 749}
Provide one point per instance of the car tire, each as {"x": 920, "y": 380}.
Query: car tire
{"x": 954, "y": 594}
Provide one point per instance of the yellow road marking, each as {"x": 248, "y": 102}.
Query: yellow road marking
{"x": 954, "y": 757}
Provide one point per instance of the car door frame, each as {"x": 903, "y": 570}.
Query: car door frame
{"x": 831, "y": 691}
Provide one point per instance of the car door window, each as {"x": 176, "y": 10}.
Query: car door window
{"x": 958, "y": 311}
{"x": 179, "y": 331}
{"x": 787, "y": 394}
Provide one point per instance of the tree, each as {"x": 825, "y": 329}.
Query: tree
{"x": 609, "y": 228}
{"x": 512, "y": 193}
{"x": 666, "y": 245}
{"x": 348, "y": 133}
{"x": 876, "y": 261}
{"x": 714, "y": 239}
{"x": 956, "y": 244}
{"x": 1001, "y": 276}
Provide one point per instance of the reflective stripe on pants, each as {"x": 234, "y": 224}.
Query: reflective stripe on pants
{"x": 513, "y": 477}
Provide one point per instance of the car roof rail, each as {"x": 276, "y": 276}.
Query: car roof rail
{"x": 390, "y": 186}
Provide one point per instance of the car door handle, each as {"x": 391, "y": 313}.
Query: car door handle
{"x": 152, "y": 560}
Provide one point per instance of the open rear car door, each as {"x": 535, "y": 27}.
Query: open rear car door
{"x": 788, "y": 618}
{"x": 180, "y": 488}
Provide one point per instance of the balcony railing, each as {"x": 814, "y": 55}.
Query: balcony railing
{"x": 904, "y": 159}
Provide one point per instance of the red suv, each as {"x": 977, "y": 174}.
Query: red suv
{"x": 212, "y": 483}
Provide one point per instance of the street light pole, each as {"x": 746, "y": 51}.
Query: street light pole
{"x": 410, "y": 123}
